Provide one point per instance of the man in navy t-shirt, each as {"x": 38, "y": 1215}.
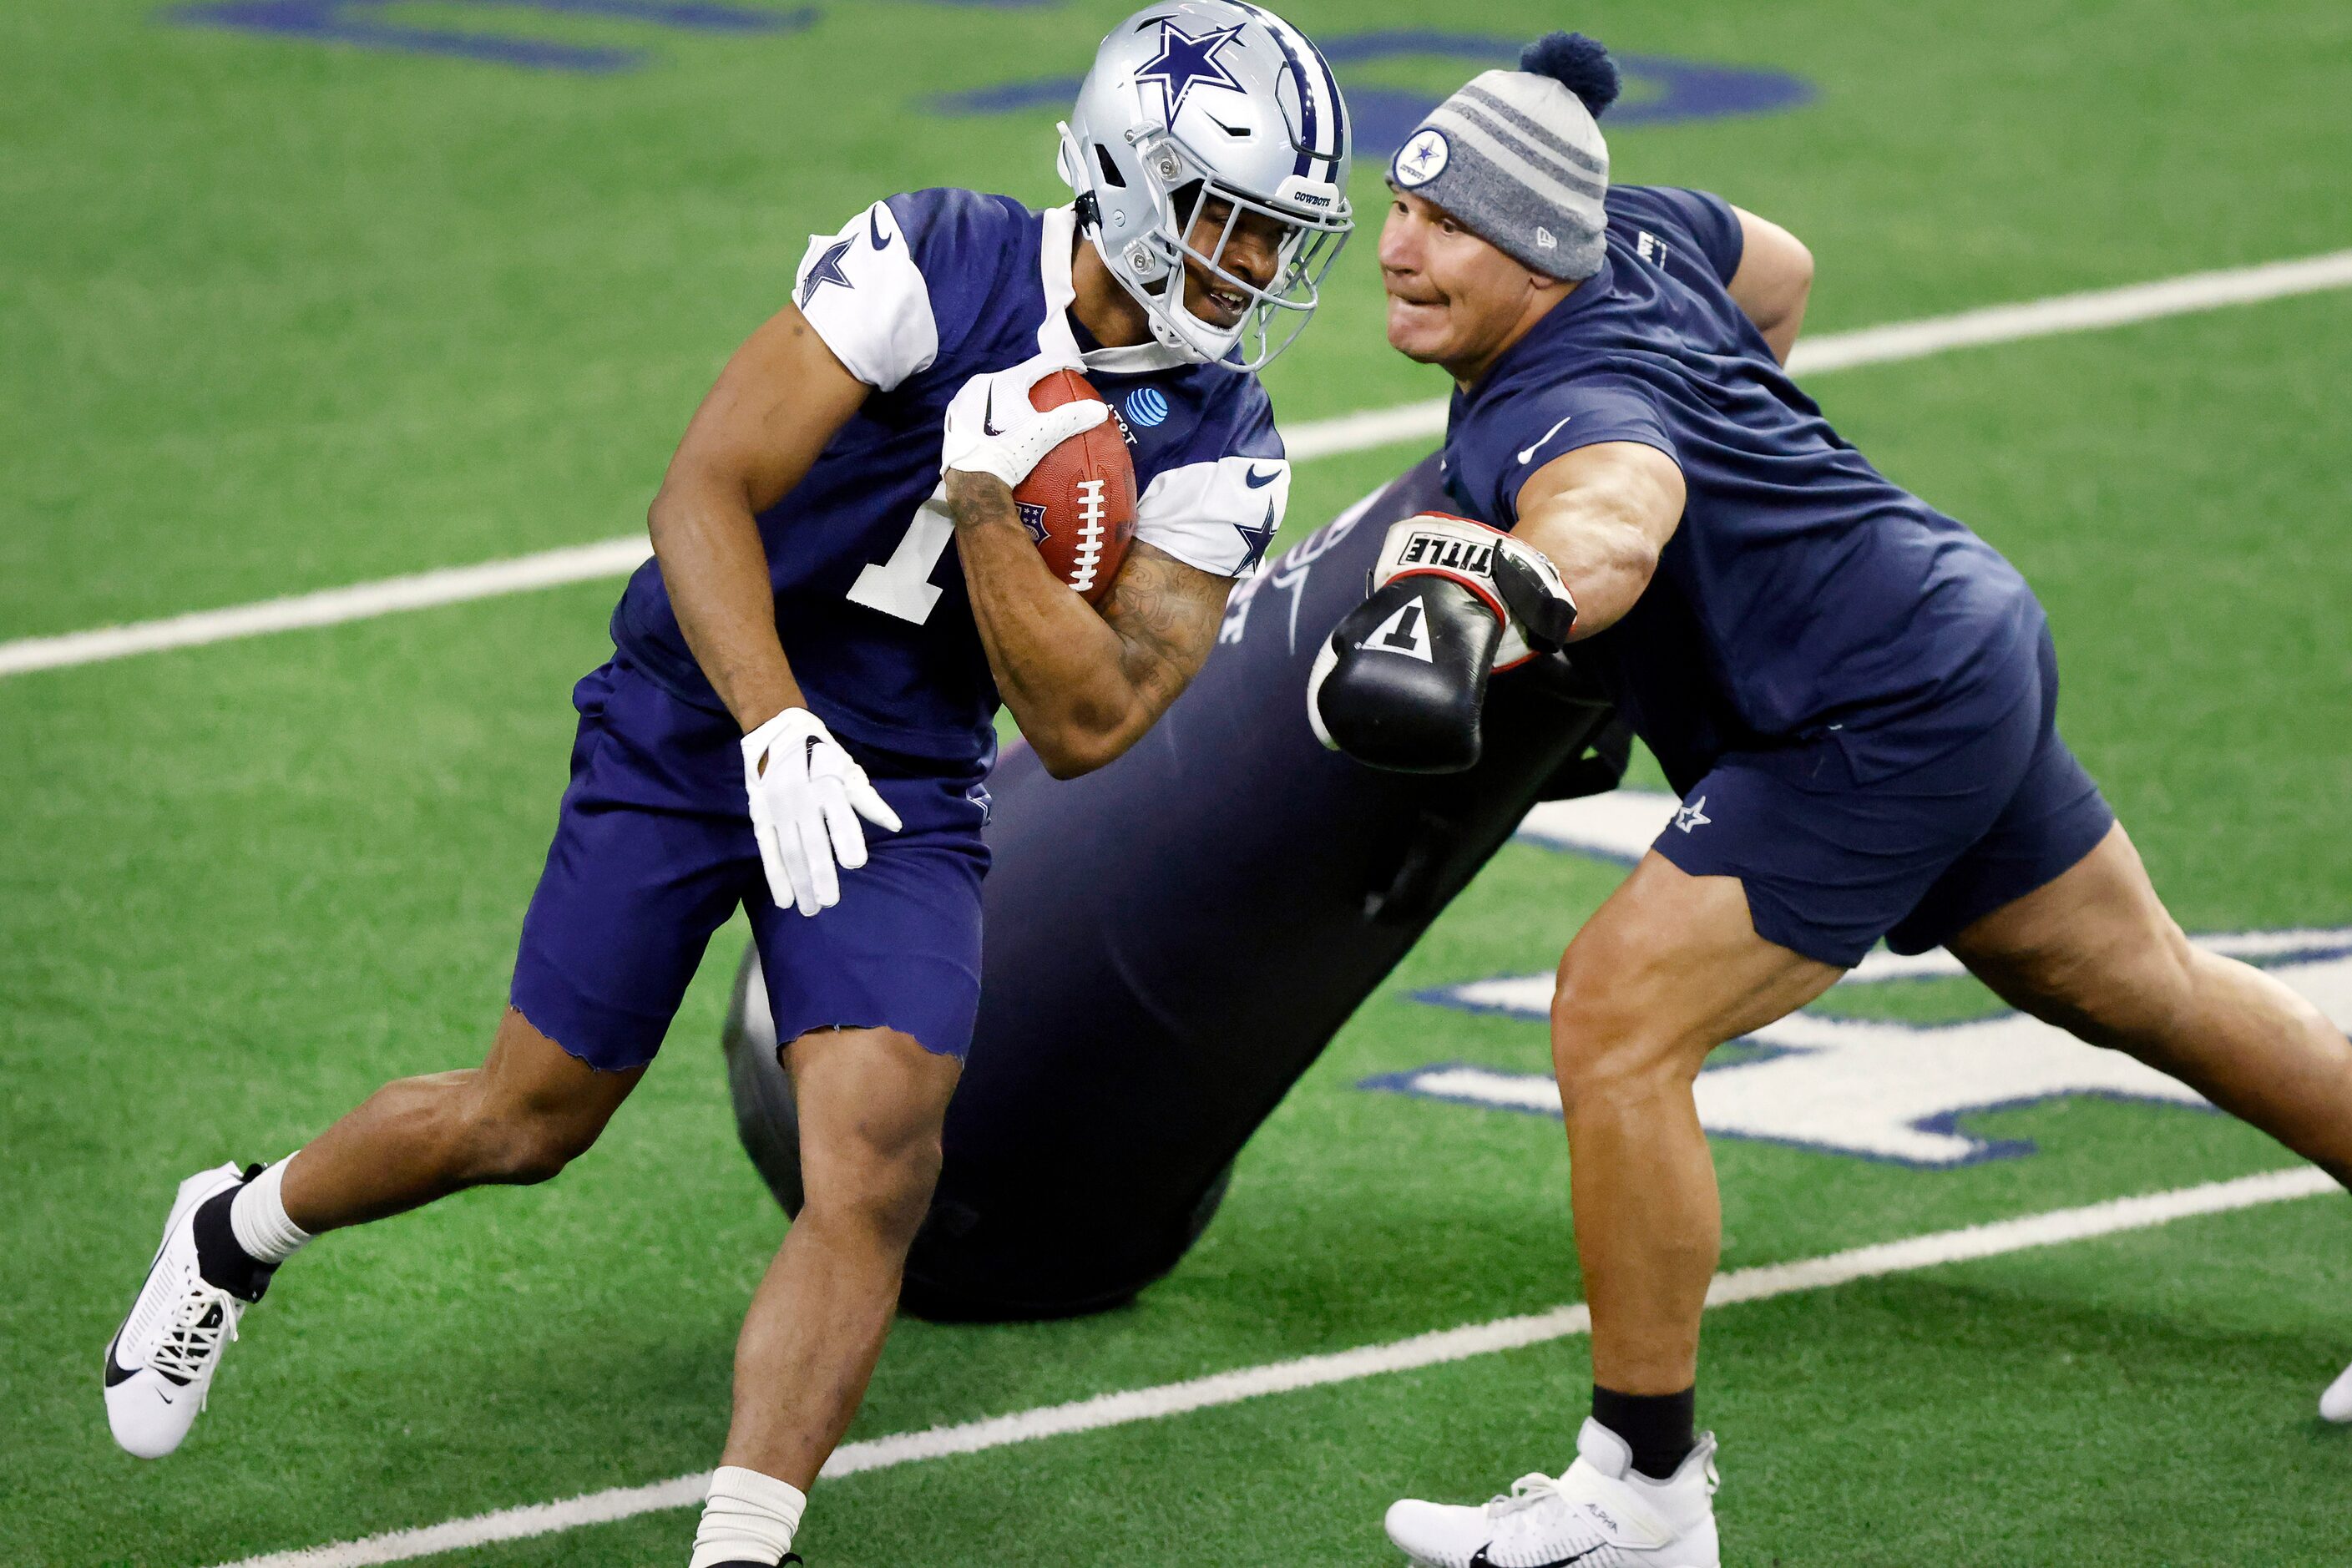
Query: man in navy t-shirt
{"x": 1853, "y": 695}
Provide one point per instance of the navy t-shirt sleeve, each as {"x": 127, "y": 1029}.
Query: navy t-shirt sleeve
{"x": 1699, "y": 219}
{"x": 1524, "y": 429}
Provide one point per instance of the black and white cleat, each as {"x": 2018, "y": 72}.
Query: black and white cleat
{"x": 159, "y": 1364}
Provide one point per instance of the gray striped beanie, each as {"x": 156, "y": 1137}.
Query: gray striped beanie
{"x": 1520, "y": 160}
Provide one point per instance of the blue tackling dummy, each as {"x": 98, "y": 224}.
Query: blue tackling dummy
{"x": 1174, "y": 939}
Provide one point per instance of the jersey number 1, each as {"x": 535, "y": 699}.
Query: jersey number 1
{"x": 902, "y": 586}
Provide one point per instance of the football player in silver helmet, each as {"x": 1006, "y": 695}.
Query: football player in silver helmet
{"x": 803, "y": 619}
{"x": 1167, "y": 172}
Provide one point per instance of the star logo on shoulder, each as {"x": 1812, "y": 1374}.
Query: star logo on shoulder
{"x": 1254, "y": 541}
{"x": 1185, "y": 62}
{"x": 826, "y": 270}
{"x": 1692, "y": 815}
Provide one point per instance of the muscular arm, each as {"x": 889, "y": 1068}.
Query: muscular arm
{"x": 1602, "y": 513}
{"x": 1083, "y": 685}
{"x": 773, "y": 408}
{"x": 1774, "y": 279}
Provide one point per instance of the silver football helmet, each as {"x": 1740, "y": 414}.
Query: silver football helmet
{"x": 1202, "y": 101}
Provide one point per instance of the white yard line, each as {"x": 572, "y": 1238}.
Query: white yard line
{"x": 2084, "y": 313}
{"x": 1314, "y": 438}
{"x": 359, "y": 602}
{"x": 2002, "y": 1236}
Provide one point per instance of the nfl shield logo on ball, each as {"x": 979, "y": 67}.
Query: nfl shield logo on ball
{"x": 1423, "y": 158}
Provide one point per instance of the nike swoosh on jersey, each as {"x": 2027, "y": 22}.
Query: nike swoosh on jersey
{"x": 1528, "y": 453}
{"x": 874, "y": 224}
{"x": 1258, "y": 482}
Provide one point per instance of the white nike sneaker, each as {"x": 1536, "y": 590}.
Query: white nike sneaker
{"x": 159, "y": 1364}
{"x": 2336, "y": 1405}
{"x": 1602, "y": 1514}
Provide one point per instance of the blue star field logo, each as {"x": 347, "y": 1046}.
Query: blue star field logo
{"x": 1255, "y": 540}
{"x": 826, "y": 270}
{"x": 1185, "y": 62}
{"x": 1032, "y": 518}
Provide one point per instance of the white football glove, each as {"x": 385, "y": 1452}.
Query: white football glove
{"x": 993, "y": 427}
{"x": 805, "y": 803}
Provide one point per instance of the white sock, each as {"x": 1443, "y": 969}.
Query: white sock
{"x": 747, "y": 1517}
{"x": 256, "y": 1216}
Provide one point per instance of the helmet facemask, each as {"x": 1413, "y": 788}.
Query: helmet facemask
{"x": 1151, "y": 266}
{"x": 1199, "y": 123}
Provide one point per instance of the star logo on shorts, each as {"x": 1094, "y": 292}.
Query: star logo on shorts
{"x": 1692, "y": 815}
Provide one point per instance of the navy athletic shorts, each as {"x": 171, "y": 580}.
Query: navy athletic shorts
{"x": 1832, "y": 863}
{"x": 653, "y": 852}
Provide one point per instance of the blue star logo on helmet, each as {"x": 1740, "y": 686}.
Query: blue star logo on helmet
{"x": 1146, "y": 406}
{"x": 1185, "y": 62}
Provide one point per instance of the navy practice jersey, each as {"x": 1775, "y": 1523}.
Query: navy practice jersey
{"x": 917, "y": 295}
{"x": 1803, "y": 593}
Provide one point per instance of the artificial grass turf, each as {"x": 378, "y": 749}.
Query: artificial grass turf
{"x": 279, "y": 316}
{"x": 283, "y": 315}
{"x": 322, "y": 892}
{"x": 2137, "y": 1399}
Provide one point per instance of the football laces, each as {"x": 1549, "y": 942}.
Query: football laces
{"x": 192, "y": 1335}
{"x": 1525, "y": 1493}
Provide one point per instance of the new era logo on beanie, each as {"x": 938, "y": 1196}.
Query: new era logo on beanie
{"x": 1518, "y": 156}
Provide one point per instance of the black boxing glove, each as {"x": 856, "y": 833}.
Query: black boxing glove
{"x": 1402, "y": 679}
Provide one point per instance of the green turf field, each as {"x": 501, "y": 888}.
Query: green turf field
{"x": 281, "y": 313}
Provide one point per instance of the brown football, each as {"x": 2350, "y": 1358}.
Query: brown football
{"x": 1078, "y": 502}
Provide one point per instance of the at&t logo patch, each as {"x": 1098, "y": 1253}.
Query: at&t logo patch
{"x": 1146, "y": 406}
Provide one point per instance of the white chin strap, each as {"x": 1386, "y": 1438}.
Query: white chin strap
{"x": 1188, "y": 335}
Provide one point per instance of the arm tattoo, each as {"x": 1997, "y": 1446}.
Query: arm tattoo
{"x": 1166, "y": 615}
{"x": 978, "y": 500}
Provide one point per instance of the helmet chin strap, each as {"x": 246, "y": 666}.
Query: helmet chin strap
{"x": 1177, "y": 326}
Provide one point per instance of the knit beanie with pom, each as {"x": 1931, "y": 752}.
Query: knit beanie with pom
{"x": 1519, "y": 158}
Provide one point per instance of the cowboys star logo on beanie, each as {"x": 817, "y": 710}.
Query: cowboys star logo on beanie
{"x": 1519, "y": 155}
